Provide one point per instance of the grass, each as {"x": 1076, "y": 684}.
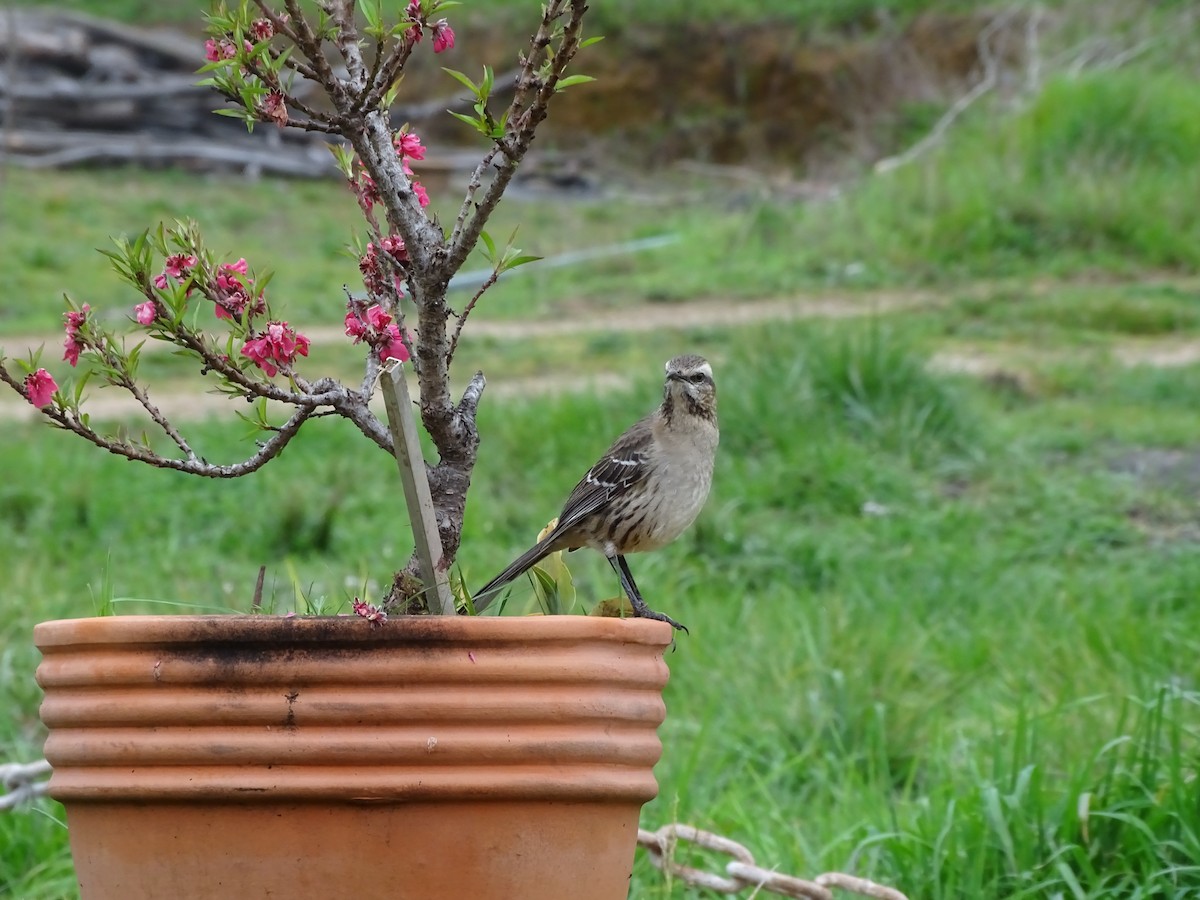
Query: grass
{"x": 939, "y": 638}
{"x": 1047, "y": 193}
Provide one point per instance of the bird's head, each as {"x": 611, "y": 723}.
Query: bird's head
{"x": 690, "y": 385}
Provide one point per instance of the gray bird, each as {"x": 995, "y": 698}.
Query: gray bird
{"x": 646, "y": 489}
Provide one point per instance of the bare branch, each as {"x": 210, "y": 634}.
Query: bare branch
{"x": 72, "y": 421}
{"x": 310, "y": 45}
{"x": 155, "y": 413}
{"x": 469, "y": 404}
{"x": 472, "y": 188}
{"x": 462, "y": 319}
{"x": 525, "y": 114}
{"x": 346, "y": 40}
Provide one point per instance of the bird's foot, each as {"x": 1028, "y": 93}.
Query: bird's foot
{"x": 643, "y": 611}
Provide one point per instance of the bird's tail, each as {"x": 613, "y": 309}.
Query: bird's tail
{"x": 515, "y": 569}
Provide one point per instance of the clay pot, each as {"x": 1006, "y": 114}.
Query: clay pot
{"x": 253, "y": 756}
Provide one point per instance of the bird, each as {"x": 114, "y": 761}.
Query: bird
{"x": 646, "y": 489}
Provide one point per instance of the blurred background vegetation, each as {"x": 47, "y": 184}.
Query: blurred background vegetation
{"x": 943, "y": 599}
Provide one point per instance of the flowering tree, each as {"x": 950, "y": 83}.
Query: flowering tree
{"x": 255, "y": 54}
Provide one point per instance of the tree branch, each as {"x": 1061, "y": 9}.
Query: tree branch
{"x": 310, "y": 45}
{"x": 524, "y": 116}
{"x": 462, "y": 319}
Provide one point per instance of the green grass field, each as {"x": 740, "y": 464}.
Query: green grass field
{"x": 931, "y": 620}
{"x": 944, "y": 629}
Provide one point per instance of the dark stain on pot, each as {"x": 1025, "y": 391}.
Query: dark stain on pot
{"x": 291, "y": 698}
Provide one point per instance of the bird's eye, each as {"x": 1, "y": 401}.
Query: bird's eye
{"x": 696, "y": 378}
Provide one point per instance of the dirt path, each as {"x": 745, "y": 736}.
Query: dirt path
{"x": 108, "y": 403}
{"x": 191, "y": 405}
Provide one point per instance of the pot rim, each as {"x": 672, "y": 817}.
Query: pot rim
{"x": 268, "y": 629}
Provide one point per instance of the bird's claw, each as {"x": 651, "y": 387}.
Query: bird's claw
{"x": 647, "y": 613}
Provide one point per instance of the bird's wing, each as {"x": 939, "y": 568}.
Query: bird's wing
{"x": 623, "y": 465}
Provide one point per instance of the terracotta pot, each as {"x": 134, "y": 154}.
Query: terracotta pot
{"x": 251, "y": 756}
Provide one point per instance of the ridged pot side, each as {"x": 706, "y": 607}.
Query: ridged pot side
{"x": 216, "y": 756}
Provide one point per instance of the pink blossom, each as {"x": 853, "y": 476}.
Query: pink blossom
{"x": 409, "y": 145}
{"x": 443, "y": 36}
{"x": 178, "y": 263}
{"x": 216, "y": 50}
{"x": 422, "y": 194}
{"x": 233, "y": 297}
{"x": 393, "y": 245}
{"x": 366, "y": 191}
{"x": 413, "y": 14}
{"x": 146, "y": 312}
{"x": 276, "y": 346}
{"x": 377, "y": 318}
{"x": 73, "y": 345}
{"x": 355, "y": 327}
{"x": 174, "y": 266}
{"x": 373, "y": 614}
{"x": 262, "y": 30}
{"x": 371, "y": 270}
{"x": 394, "y": 349}
{"x": 71, "y": 350}
{"x": 40, "y": 388}
{"x": 274, "y": 109}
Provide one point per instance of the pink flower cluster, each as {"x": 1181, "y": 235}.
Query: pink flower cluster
{"x": 372, "y": 269}
{"x": 174, "y": 266}
{"x": 276, "y": 347}
{"x": 40, "y": 388}
{"x": 232, "y": 294}
{"x": 274, "y": 109}
{"x": 443, "y": 34}
{"x": 375, "y": 326}
{"x": 215, "y": 50}
{"x": 73, "y": 343}
{"x": 146, "y": 313}
{"x": 408, "y": 146}
{"x": 373, "y": 614}
{"x": 262, "y": 30}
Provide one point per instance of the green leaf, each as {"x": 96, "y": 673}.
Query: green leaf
{"x": 464, "y": 80}
{"x": 489, "y": 244}
{"x": 519, "y": 261}
{"x": 80, "y": 384}
{"x": 389, "y": 96}
{"x": 570, "y": 80}
{"x": 546, "y": 590}
{"x": 474, "y": 123}
{"x": 587, "y": 42}
{"x": 372, "y": 12}
{"x": 343, "y": 157}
